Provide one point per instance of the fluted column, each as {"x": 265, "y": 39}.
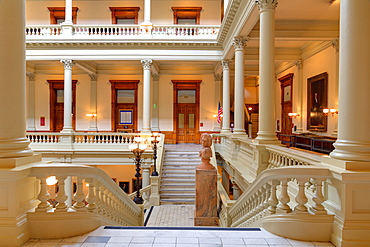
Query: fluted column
{"x": 239, "y": 43}
{"x": 67, "y": 123}
{"x": 155, "y": 112}
{"x": 226, "y": 97}
{"x": 266, "y": 132}
{"x": 353, "y": 143}
{"x": 31, "y": 103}
{"x": 13, "y": 142}
{"x": 93, "y": 102}
{"x": 146, "y": 96}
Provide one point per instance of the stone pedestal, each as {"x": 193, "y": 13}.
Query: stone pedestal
{"x": 206, "y": 197}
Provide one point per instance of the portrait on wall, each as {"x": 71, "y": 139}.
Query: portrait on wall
{"x": 317, "y": 101}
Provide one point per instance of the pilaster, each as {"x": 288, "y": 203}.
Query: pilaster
{"x": 93, "y": 102}
{"x": 67, "y": 124}
{"x": 155, "y": 110}
{"x": 31, "y": 126}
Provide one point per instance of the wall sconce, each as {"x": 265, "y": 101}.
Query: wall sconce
{"x": 293, "y": 114}
{"x": 333, "y": 111}
{"x": 91, "y": 115}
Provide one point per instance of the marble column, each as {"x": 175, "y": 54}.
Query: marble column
{"x": 93, "y": 102}
{"x": 147, "y": 11}
{"x": 31, "y": 126}
{"x": 146, "y": 95}
{"x": 335, "y": 44}
{"x": 299, "y": 120}
{"x": 218, "y": 79}
{"x": 155, "y": 111}
{"x": 13, "y": 142}
{"x": 68, "y": 12}
{"x": 266, "y": 132}
{"x": 353, "y": 143}
{"x": 67, "y": 123}
{"x": 239, "y": 44}
{"x": 226, "y": 97}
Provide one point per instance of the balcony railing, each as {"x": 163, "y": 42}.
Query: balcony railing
{"x": 123, "y": 31}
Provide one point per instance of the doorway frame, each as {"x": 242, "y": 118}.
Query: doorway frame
{"x": 186, "y": 85}
{"x": 59, "y": 85}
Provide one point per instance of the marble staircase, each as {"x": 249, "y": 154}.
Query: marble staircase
{"x": 178, "y": 177}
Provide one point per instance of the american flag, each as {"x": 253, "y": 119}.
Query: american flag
{"x": 219, "y": 113}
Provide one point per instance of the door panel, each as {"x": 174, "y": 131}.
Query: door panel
{"x": 186, "y": 123}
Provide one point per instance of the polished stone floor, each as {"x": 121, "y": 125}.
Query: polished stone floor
{"x": 182, "y": 234}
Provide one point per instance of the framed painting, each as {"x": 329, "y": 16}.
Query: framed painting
{"x": 317, "y": 101}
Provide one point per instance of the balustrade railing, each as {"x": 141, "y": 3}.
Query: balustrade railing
{"x": 124, "y": 31}
{"x": 263, "y": 198}
{"x": 95, "y": 192}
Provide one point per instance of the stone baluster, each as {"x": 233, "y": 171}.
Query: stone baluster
{"x": 273, "y": 200}
{"x": 284, "y": 197}
{"x": 262, "y": 194}
{"x": 301, "y": 198}
{"x": 91, "y": 197}
{"x": 98, "y": 199}
{"x": 79, "y": 197}
{"x": 62, "y": 196}
{"x": 267, "y": 196}
{"x": 103, "y": 200}
{"x": 318, "y": 198}
{"x": 43, "y": 196}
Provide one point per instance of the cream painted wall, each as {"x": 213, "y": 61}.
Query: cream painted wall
{"x": 324, "y": 61}
{"x": 208, "y": 104}
{"x": 121, "y": 173}
{"x": 97, "y": 12}
{"x": 250, "y": 95}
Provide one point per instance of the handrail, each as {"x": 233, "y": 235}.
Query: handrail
{"x": 261, "y": 199}
{"x": 104, "y": 197}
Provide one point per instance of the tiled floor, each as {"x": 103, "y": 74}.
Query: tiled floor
{"x": 174, "y": 215}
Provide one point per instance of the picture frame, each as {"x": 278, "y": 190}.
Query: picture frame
{"x": 125, "y": 186}
{"x": 317, "y": 101}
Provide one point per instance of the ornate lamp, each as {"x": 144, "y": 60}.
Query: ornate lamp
{"x": 137, "y": 149}
{"x": 155, "y": 138}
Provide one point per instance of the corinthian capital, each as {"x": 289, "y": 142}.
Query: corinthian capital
{"x": 226, "y": 64}
{"x": 335, "y": 44}
{"x": 147, "y": 63}
{"x": 93, "y": 76}
{"x": 239, "y": 42}
{"x": 68, "y": 64}
{"x": 266, "y": 4}
{"x": 218, "y": 77}
{"x": 31, "y": 76}
{"x": 155, "y": 77}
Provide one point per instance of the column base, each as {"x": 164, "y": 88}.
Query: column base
{"x": 347, "y": 164}
{"x": 239, "y": 132}
{"x": 225, "y": 131}
{"x": 16, "y": 162}
{"x": 67, "y": 130}
{"x": 146, "y": 130}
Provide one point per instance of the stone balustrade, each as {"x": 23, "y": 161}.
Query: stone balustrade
{"x": 93, "y": 192}
{"x": 124, "y": 31}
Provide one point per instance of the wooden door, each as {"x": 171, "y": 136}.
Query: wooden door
{"x": 124, "y": 105}
{"x": 186, "y": 111}
{"x": 286, "y": 84}
{"x": 186, "y": 123}
{"x": 56, "y": 88}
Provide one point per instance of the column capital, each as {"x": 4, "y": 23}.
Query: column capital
{"x": 218, "y": 77}
{"x": 299, "y": 64}
{"x": 226, "y": 63}
{"x": 93, "y": 77}
{"x": 68, "y": 64}
{"x": 31, "y": 76}
{"x": 335, "y": 45}
{"x": 147, "y": 63}
{"x": 267, "y": 4}
{"x": 240, "y": 42}
{"x": 155, "y": 76}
